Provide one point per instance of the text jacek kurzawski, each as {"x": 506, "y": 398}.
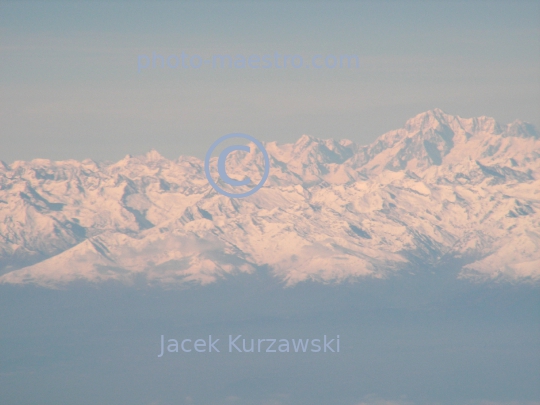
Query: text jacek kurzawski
{"x": 239, "y": 344}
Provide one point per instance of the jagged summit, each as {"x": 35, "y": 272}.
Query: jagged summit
{"x": 428, "y": 119}
{"x": 153, "y": 156}
{"x": 442, "y": 189}
{"x": 437, "y": 119}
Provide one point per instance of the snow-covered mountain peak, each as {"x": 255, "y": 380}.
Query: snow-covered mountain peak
{"x": 437, "y": 120}
{"x": 304, "y": 140}
{"x": 153, "y": 156}
{"x": 431, "y": 119}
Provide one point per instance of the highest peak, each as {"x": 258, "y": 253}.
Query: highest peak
{"x": 437, "y": 119}
{"x": 428, "y": 119}
{"x": 436, "y": 113}
{"x": 433, "y": 113}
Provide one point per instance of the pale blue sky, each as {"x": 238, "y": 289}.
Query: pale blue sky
{"x": 69, "y": 86}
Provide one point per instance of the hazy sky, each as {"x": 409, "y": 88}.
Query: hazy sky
{"x": 70, "y": 87}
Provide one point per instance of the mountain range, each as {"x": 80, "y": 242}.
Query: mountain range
{"x": 441, "y": 191}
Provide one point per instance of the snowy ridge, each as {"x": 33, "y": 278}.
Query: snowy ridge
{"x": 442, "y": 189}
